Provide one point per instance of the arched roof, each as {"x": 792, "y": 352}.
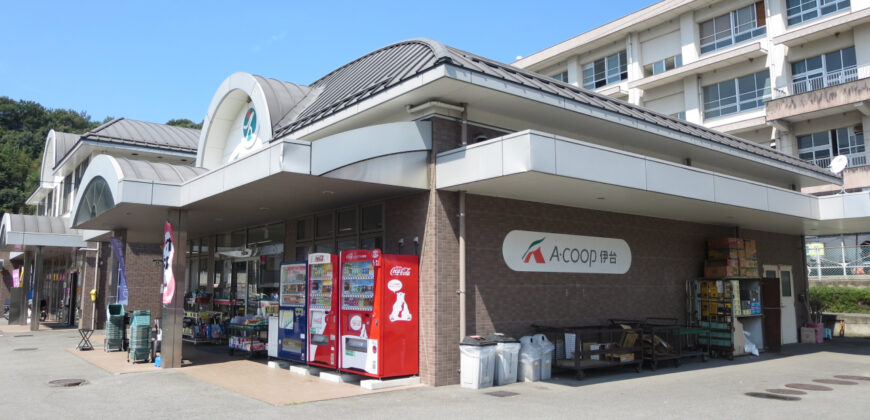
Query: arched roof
{"x": 57, "y": 145}
{"x": 141, "y": 133}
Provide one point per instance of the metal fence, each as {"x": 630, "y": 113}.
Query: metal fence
{"x": 838, "y": 263}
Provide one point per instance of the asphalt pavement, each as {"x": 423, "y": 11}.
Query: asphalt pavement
{"x": 695, "y": 389}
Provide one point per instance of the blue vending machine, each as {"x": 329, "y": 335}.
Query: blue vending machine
{"x": 292, "y": 312}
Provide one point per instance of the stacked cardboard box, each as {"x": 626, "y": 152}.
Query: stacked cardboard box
{"x": 731, "y": 257}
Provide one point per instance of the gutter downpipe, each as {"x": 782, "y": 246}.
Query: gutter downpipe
{"x": 461, "y": 291}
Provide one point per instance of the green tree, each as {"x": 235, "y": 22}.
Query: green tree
{"x": 184, "y": 122}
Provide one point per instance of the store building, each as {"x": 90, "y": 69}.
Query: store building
{"x": 790, "y": 74}
{"x": 420, "y": 148}
{"x": 63, "y": 265}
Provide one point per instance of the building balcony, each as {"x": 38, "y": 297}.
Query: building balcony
{"x": 855, "y": 159}
{"x": 709, "y": 62}
{"x": 827, "y": 27}
{"x": 820, "y": 95}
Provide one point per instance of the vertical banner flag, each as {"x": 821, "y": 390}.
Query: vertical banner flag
{"x": 168, "y": 258}
{"x": 123, "y": 293}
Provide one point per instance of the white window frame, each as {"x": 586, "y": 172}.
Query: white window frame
{"x": 736, "y": 32}
{"x": 807, "y": 10}
{"x": 612, "y": 74}
{"x": 743, "y": 99}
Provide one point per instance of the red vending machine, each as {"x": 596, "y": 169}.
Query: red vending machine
{"x": 379, "y": 314}
{"x": 323, "y": 295}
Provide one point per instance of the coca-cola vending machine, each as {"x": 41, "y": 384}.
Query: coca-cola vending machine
{"x": 323, "y": 295}
{"x": 379, "y": 314}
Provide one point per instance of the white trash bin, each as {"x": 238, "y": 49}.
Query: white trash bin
{"x": 547, "y": 349}
{"x": 507, "y": 353}
{"x": 530, "y": 360}
{"x": 476, "y": 362}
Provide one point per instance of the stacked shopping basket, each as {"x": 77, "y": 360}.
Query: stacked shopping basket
{"x": 114, "y": 327}
{"x": 140, "y": 337}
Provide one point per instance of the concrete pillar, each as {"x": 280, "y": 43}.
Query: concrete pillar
{"x": 692, "y": 98}
{"x": 689, "y": 38}
{"x": 574, "y": 76}
{"x": 210, "y": 243}
{"x": 173, "y": 312}
{"x": 635, "y": 70}
{"x": 776, "y": 18}
{"x": 26, "y": 283}
{"x": 38, "y": 274}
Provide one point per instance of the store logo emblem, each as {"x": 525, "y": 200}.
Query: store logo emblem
{"x": 249, "y": 126}
{"x": 536, "y": 254}
{"x": 400, "y": 271}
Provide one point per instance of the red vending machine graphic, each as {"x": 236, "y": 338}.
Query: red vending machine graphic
{"x": 379, "y": 314}
{"x": 323, "y": 295}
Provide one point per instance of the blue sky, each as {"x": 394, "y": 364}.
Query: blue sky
{"x": 156, "y": 60}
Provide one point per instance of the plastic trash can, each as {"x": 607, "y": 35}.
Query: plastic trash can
{"x": 530, "y": 360}
{"x": 547, "y": 349}
{"x": 507, "y": 353}
{"x": 476, "y": 362}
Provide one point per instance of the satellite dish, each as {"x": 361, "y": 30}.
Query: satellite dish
{"x": 838, "y": 164}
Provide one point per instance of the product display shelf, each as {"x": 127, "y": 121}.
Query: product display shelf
{"x": 596, "y": 347}
{"x": 196, "y": 326}
{"x": 727, "y": 306}
{"x": 665, "y": 340}
{"x": 247, "y": 338}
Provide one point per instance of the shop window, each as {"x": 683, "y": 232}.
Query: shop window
{"x": 662, "y": 66}
{"x": 798, "y": 11}
{"x": 372, "y": 242}
{"x": 325, "y": 246}
{"x": 605, "y": 71}
{"x": 737, "y": 95}
{"x": 373, "y": 218}
{"x": 347, "y": 221}
{"x": 346, "y": 244}
{"x": 203, "y": 273}
{"x": 732, "y": 28}
{"x": 303, "y": 230}
{"x": 302, "y": 253}
{"x": 323, "y": 223}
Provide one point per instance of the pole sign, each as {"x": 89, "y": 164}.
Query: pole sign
{"x": 168, "y": 258}
{"x": 545, "y": 252}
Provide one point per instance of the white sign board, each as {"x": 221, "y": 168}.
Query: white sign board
{"x": 558, "y": 253}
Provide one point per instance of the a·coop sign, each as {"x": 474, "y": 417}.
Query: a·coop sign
{"x": 558, "y": 253}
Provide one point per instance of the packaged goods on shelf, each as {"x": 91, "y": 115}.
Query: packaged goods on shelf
{"x": 621, "y": 357}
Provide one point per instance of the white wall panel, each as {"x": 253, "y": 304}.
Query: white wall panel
{"x": 740, "y": 193}
{"x": 788, "y": 202}
{"x": 594, "y": 164}
{"x": 660, "y": 48}
{"x": 675, "y": 180}
{"x": 481, "y": 161}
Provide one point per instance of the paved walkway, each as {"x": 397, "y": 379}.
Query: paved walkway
{"x": 718, "y": 388}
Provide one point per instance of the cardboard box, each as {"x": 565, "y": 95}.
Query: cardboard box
{"x": 808, "y": 335}
{"x": 719, "y": 243}
{"x": 750, "y": 249}
{"x": 621, "y": 357}
{"x": 722, "y": 268}
{"x": 587, "y": 347}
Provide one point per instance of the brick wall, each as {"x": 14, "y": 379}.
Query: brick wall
{"x": 145, "y": 277}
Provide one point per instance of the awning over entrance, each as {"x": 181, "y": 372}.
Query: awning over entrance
{"x": 21, "y": 231}
{"x": 546, "y": 168}
{"x": 286, "y": 177}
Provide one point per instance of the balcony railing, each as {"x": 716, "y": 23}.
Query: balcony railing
{"x": 823, "y": 80}
{"x": 854, "y": 160}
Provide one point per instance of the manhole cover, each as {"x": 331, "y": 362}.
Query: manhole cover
{"x": 502, "y": 394}
{"x": 853, "y": 377}
{"x": 24, "y": 335}
{"x": 786, "y": 391}
{"x": 835, "y": 382}
{"x": 810, "y": 387}
{"x": 67, "y": 382}
{"x": 26, "y": 349}
{"x": 772, "y": 396}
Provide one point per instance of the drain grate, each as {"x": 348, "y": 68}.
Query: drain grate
{"x": 772, "y": 396}
{"x": 24, "y": 335}
{"x": 26, "y": 349}
{"x": 502, "y": 394}
{"x": 67, "y": 382}
{"x": 809, "y": 387}
{"x": 853, "y": 377}
{"x": 786, "y": 391}
{"x": 835, "y": 382}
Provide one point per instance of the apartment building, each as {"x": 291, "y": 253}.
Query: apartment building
{"x": 791, "y": 74}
